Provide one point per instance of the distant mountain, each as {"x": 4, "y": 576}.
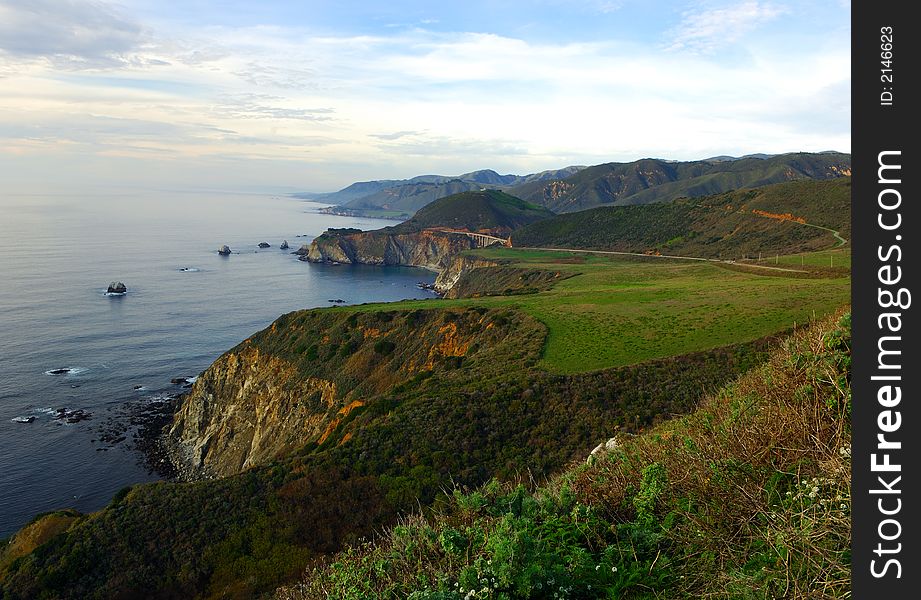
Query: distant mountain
{"x": 655, "y": 180}
{"x": 781, "y": 218}
{"x": 401, "y": 198}
{"x": 486, "y": 210}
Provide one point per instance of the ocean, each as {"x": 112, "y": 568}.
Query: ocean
{"x": 65, "y": 344}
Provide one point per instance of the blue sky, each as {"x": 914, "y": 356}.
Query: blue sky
{"x": 315, "y": 95}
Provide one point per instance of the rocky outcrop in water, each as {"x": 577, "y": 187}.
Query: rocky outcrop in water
{"x": 224, "y": 250}
{"x": 117, "y": 287}
{"x": 265, "y": 245}
{"x": 284, "y": 245}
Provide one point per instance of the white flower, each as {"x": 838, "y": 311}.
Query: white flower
{"x": 614, "y": 569}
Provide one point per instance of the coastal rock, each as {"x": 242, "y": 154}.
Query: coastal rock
{"x": 304, "y": 250}
{"x": 456, "y": 268}
{"x": 247, "y": 408}
{"x": 428, "y": 249}
{"x": 605, "y": 447}
{"x": 265, "y": 245}
{"x": 117, "y": 287}
{"x": 224, "y": 250}
{"x": 71, "y": 416}
{"x": 284, "y": 245}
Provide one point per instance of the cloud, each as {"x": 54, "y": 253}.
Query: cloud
{"x": 69, "y": 33}
{"x": 393, "y": 136}
{"x": 347, "y": 105}
{"x": 703, "y": 31}
{"x": 250, "y": 106}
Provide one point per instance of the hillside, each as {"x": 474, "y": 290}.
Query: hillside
{"x": 327, "y": 425}
{"x": 422, "y": 398}
{"x": 488, "y": 210}
{"x": 748, "y": 497}
{"x": 653, "y": 180}
{"x": 401, "y": 198}
{"x": 745, "y": 222}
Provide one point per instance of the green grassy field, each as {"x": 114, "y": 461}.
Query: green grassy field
{"x": 839, "y": 257}
{"x": 622, "y": 310}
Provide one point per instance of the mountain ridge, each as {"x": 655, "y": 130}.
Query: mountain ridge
{"x": 576, "y": 188}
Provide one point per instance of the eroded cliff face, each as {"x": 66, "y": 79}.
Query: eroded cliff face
{"x": 470, "y": 276}
{"x": 456, "y": 268}
{"x": 427, "y": 249}
{"x": 246, "y": 409}
{"x": 302, "y": 379}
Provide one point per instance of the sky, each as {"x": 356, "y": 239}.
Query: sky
{"x": 314, "y": 95}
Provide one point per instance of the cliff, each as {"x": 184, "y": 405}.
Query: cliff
{"x": 246, "y": 409}
{"x": 471, "y": 276}
{"x": 427, "y": 249}
{"x": 296, "y": 382}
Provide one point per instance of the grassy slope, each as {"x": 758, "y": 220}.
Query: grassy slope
{"x": 619, "y": 310}
{"x": 723, "y": 225}
{"x": 746, "y": 498}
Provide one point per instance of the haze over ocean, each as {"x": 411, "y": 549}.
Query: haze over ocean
{"x": 58, "y": 252}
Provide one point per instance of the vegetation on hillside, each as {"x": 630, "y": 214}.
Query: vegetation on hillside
{"x": 484, "y": 413}
{"x": 480, "y": 210}
{"x": 654, "y": 180}
{"x": 748, "y": 497}
{"x": 608, "y": 310}
{"x": 729, "y": 225}
{"x": 401, "y": 198}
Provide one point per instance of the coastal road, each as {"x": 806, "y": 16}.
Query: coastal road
{"x": 697, "y": 258}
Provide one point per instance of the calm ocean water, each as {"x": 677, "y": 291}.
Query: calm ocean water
{"x": 58, "y": 253}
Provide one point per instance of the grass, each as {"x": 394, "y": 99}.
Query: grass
{"x": 618, "y": 310}
{"x": 839, "y": 257}
{"x": 748, "y": 497}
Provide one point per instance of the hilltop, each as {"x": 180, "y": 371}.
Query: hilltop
{"x": 491, "y": 211}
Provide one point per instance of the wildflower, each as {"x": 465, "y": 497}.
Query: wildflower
{"x": 597, "y": 567}
{"x": 614, "y": 569}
